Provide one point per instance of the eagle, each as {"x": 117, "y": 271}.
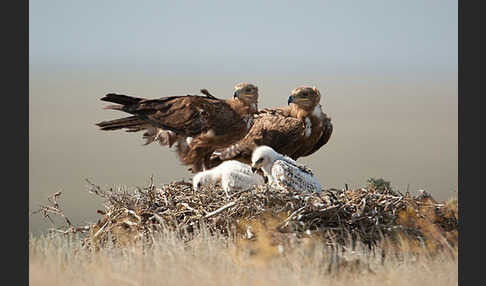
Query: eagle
{"x": 296, "y": 130}
{"x": 283, "y": 172}
{"x": 196, "y": 124}
{"x": 231, "y": 175}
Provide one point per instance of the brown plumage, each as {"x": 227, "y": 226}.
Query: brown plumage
{"x": 296, "y": 130}
{"x": 198, "y": 125}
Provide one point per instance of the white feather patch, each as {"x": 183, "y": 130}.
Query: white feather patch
{"x": 308, "y": 127}
{"x": 289, "y": 176}
{"x": 189, "y": 140}
{"x": 231, "y": 175}
{"x": 317, "y": 112}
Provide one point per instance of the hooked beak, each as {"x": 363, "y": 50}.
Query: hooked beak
{"x": 253, "y": 169}
{"x": 291, "y": 99}
{"x": 235, "y": 95}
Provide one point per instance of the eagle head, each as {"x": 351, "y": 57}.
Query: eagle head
{"x": 262, "y": 157}
{"x": 199, "y": 180}
{"x": 246, "y": 92}
{"x": 306, "y": 97}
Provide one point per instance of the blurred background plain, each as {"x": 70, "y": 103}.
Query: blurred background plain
{"x": 387, "y": 72}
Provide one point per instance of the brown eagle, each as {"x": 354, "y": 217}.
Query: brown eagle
{"x": 196, "y": 124}
{"x": 296, "y": 130}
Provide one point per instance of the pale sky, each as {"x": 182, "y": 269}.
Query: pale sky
{"x": 246, "y": 36}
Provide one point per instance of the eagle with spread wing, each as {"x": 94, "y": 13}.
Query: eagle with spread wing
{"x": 296, "y": 130}
{"x": 196, "y": 124}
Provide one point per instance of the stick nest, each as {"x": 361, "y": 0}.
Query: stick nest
{"x": 367, "y": 215}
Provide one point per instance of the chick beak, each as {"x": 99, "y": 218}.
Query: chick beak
{"x": 291, "y": 99}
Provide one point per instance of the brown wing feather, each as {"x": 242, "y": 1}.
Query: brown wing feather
{"x": 185, "y": 115}
{"x": 326, "y": 135}
{"x": 207, "y": 93}
{"x": 272, "y": 128}
{"x": 210, "y": 122}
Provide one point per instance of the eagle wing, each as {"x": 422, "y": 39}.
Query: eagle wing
{"x": 188, "y": 115}
{"x": 238, "y": 176}
{"x": 290, "y": 176}
{"x": 197, "y": 124}
{"x": 326, "y": 135}
{"x": 305, "y": 169}
{"x": 271, "y": 127}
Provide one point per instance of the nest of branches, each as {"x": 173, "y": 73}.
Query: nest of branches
{"x": 367, "y": 215}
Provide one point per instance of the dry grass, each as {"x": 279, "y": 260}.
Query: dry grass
{"x": 171, "y": 235}
{"x": 212, "y": 260}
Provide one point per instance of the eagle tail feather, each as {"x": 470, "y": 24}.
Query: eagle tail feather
{"x": 132, "y": 123}
{"x": 121, "y": 99}
{"x": 114, "y": 107}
